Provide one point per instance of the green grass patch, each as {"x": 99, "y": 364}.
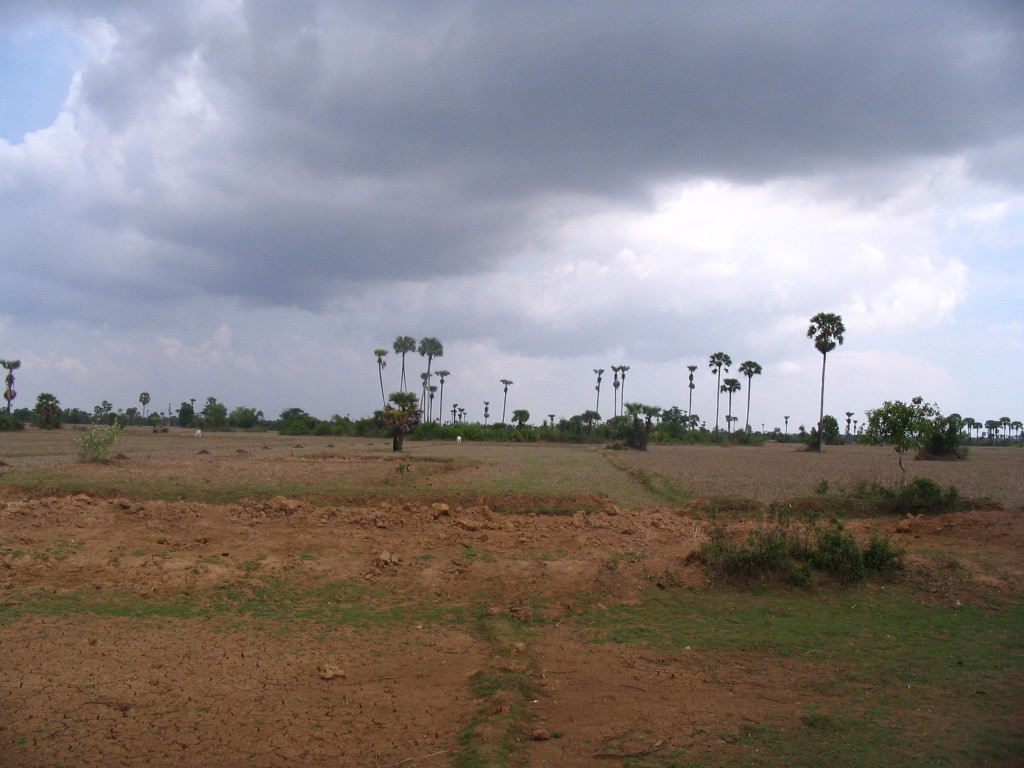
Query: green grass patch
{"x": 900, "y": 683}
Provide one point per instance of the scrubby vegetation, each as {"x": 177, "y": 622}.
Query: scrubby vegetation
{"x": 782, "y": 549}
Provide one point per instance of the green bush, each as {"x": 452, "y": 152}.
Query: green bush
{"x": 923, "y": 496}
{"x": 8, "y": 424}
{"x": 95, "y": 444}
{"x": 782, "y": 551}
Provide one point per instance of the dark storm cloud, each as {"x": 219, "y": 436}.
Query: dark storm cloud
{"x": 351, "y": 142}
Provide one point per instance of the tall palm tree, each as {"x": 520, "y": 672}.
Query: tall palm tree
{"x": 1005, "y": 421}
{"x": 381, "y": 363}
{"x": 598, "y": 371}
{"x": 827, "y": 330}
{"x": 431, "y": 391}
{"x": 718, "y": 362}
{"x": 9, "y": 393}
{"x": 424, "y": 380}
{"x": 730, "y": 386}
{"x": 144, "y": 399}
{"x": 615, "y": 391}
{"x": 487, "y": 411}
{"x": 691, "y": 369}
{"x": 440, "y": 405}
{"x": 506, "y": 383}
{"x": 750, "y": 369}
{"x": 403, "y": 345}
{"x": 429, "y": 348}
{"x": 622, "y": 392}
{"x": 849, "y": 418}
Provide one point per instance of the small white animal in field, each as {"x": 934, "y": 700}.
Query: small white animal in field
{"x": 458, "y": 438}
{"x": 199, "y": 433}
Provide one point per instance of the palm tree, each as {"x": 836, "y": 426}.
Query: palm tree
{"x": 827, "y": 330}
{"x": 47, "y": 411}
{"x": 144, "y": 399}
{"x": 424, "y": 378}
{"x": 432, "y": 390}
{"x": 379, "y": 353}
{"x": 1004, "y": 422}
{"x": 462, "y": 415}
{"x": 849, "y": 417}
{"x": 506, "y": 384}
{"x": 598, "y": 371}
{"x": 9, "y": 393}
{"x": 615, "y": 391}
{"x": 440, "y": 405}
{"x": 691, "y": 369}
{"x": 730, "y": 386}
{"x": 429, "y": 348}
{"x": 622, "y": 392}
{"x": 787, "y": 425}
{"x": 750, "y": 369}
{"x": 401, "y": 415}
{"x": 455, "y": 408}
{"x": 403, "y": 345}
{"x": 969, "y": 423}
{"x": 487, "y": 411}
{"x": 718, "y": 362}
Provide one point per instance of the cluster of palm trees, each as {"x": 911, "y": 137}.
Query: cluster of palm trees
{"x": 996, "y": 428}
{"x": 619, "y": 385}
{"x": 430, "y": 348}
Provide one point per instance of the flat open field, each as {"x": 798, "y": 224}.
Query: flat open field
{"x": 258, "y": 600}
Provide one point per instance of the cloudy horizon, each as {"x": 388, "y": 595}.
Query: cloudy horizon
{"x": 243, "y": 200}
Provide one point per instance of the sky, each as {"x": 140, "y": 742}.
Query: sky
{"x": 244, "y": 199}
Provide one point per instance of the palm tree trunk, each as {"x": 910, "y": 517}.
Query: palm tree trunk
{"x": 821, "y": 407}
{"x": 750, "y": 380}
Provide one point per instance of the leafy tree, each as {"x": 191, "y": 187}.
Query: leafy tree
{"x": 215, "y": 415}
{"x": 130, "y": 414}
{"x": 381, "y": 365}
{"x": 295, "y": 421}
{"x": 9, "y": 393}
{"x": 403, "y": 345}
{"x": 719, "y": 362}
{"x": 401, "y": 416}
{"x": 750, "y": 369}
{"x": 186, "y": 415}
{"x": 827, "y": 330}
{"x": 244, "y": 418}
{"x": 830, "y": 436}
{"x": 520, "y": 417}
{"x": 144, "y": 399}
{"x": 506, "y": 383}
{"x": 47, "y": 411}
{"x": 442, "y": 375}
{"x": 598, "y": 371}
{"x": 898, "y": 424}
{"x": 730, "y": 386}
{"x": 691, "y": 369}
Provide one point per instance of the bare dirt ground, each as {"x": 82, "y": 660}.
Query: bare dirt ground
{"x": 118, "y": 686}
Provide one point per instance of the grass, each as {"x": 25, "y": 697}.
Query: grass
{"x": 903, "y": 683}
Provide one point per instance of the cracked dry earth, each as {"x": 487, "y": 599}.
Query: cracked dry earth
{"x": 162, "y": 671}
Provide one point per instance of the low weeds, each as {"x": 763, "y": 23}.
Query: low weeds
{"x": 921, "y": 496}
{"x": 787, "y": 551}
